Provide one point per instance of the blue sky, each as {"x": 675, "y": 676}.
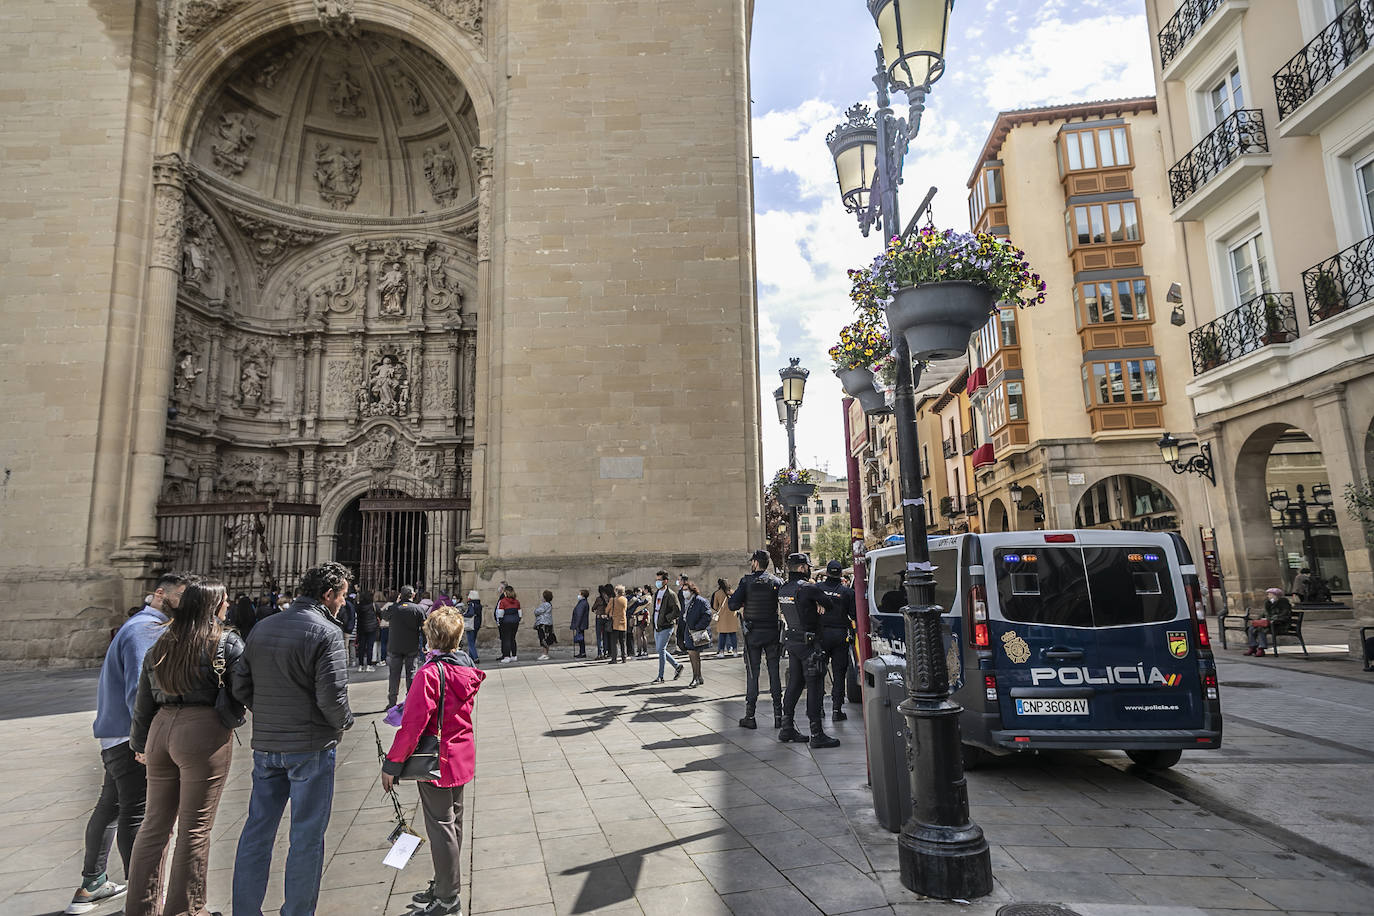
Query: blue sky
{"x": 811, "y": 59}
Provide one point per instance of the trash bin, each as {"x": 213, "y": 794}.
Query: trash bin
{"x": 885, "y": 733}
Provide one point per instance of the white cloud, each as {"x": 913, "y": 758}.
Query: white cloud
{"x": 1104, "y": 56}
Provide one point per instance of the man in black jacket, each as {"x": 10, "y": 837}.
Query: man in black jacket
{"x": 757, "y": 596}
{"x": 835, "y": 629}
{"x": 297, "y": 687}
{"x": 801, "y": 601}
{"x": 403, "y": 652}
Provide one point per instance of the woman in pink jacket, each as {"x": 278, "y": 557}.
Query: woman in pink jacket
{"x": 442, "y": 800}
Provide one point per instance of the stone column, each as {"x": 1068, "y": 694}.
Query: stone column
{"x": 415, "y": 355}
{"x": 481, "y": 425}
{"x": 298, "y": 396}
{"x": 315, "y": 383}
{"x": 155, "y": 357}
{"x": 1342, "y": 469}
{"x": 451, "y": 408}
{"x": 212, "y": 384}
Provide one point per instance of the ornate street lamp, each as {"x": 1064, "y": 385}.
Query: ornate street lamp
{"x": 788, "y": 399}
{"x": 781, "y": 405}
{"x": 793, "y": 382}
{"x": 942, "y": 852}
{"x": 1200, "y": 464}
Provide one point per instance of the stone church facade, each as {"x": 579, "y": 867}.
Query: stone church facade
{"x": 453, "y": 291}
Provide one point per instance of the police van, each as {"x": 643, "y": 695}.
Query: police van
{"x": 1078, "y": 639}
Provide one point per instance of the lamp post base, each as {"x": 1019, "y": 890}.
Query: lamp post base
{"x": 955, "y": 865}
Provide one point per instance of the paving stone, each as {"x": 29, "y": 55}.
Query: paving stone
{"x": 786, "y": 901}
{"x": 1291, "y": 893}
{"x": 1107, "y": 837}
{"x": 1070, "y": 859}
{"x": 1196, "y": 862}
{"x": 838, "y": 887}
{"x": 734, "y": 870}
{"x": 1051, "y": 886}
{"x": 1189, "y": 891}
{"x": 793, "y": 848}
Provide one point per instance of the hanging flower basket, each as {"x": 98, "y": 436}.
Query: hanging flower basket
{"x": 937, "y": 319}
{"x": 796, "y": 494}
{"x": 860, "y": 384}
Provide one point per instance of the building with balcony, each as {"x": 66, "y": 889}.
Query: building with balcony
{"x": 1067, "y": 400}
{"x": 1267, "y": 123}
{"x": 831, "y": 501}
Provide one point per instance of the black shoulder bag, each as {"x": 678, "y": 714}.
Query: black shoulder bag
{"x": 423, "y": 763}
{"x": 230, "y": 710}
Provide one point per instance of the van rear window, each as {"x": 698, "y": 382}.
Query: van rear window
{"x": 1045, "y": 585}
{"x": 1129, "y": 586}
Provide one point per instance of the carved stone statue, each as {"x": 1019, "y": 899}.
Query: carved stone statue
{"x": 338, "y": 174}
{"x": 240, "y": 539}
{"x": 379, "y": 450}
{"x": 441, "y": 171}
{"x": 345, "y": 94}
{"x": 410, "y": 91}
{"x": 187, "y": 371}
{"x": 336, "y": 17}
{"x": 236, "y": 132}
{"x": 392, "y": 286}
{"x": 251, "y": 379}
{"x": 441, "y": 293}
{"x": 195, "y": 266}
{"x": 388, "y": 386}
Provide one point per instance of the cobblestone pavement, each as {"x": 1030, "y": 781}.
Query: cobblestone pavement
{"x": 598, "y": 792}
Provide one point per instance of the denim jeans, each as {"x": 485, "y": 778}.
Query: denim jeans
{"x": 121, "y": 804}
{"x": 307, "y": 781}
{"x": 472, "y": 644}
{"x": 728, "y": 641}
{"x": 665, "y": 655}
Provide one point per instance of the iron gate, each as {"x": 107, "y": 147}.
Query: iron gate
{"x": 255, "y": 547}
{"x": 409, "y": 536}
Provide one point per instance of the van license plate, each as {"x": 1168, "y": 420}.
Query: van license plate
{"x": 1074, "y": 707}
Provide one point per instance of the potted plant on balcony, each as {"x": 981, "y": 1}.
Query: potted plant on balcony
{"x": 1327, "y": 292}
{"x": 938, "y": 286}
{"x": 793, "y": 486}
{"x": 1275, "y": 330}
{"x": 861, "y": 348}
{"x": 1207, "y": 348}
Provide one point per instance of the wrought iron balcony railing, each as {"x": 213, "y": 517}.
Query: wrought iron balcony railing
{"x": 951, "y": 447}
{"x": 1325, "y": 57}
{"x": 1269, "y": 318}
{"x": 1181, "y": 26}
{"x": 1341, "y": 282}
{"x": 1242, "y": 132}
{"x": 968, "y": 442}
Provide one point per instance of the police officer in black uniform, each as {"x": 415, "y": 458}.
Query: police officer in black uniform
{"x": 835, "y": 631}
{"x": 757, "y": 595}
{"x": 800, "y": 601}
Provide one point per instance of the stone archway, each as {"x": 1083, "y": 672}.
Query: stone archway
{"x": 1301, "y": 513}
{"x": 326, "y": 270}
{"x": 997, "y": 517}
{"x": 1127, "y": 502}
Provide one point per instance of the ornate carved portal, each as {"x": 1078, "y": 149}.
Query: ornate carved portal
{"x": 325, "y": 336}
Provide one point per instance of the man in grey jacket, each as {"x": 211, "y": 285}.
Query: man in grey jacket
{"x": 298, "y": 680}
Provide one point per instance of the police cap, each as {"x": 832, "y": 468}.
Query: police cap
{"x": 798, "y": 559}
{"x": 834, "y": 567}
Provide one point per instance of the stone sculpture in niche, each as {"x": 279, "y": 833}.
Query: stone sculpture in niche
{"x": 345, "y": 94}
{"x": 195, "y": 263}
{"x": 392, "y": 287}
{"x": 240, "y": 538}
{"x": 441, "y": 293}
{"x": 271, "y": 64}
{"x": 187, "y": 371}
{"x": 338, "y": 174}
{"x": 387, "y": 392}
{"x": 236, "y": 132}
{"x": 379, "y": 450}
{"x": 336, "y": 18}
{"x": 441, "y": 171}
{"x": 251, "y": 379}
{"x": 410, "y": 92}
{"x": 270, "y": 242}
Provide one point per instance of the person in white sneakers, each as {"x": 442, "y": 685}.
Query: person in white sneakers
{"x": 543, "y": 625}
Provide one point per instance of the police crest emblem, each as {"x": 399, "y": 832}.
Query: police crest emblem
{"x": 1178, "y": 643}
{"x": 1016, "y": 648}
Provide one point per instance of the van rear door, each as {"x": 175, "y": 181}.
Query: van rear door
{"x": 1146, "y": 648}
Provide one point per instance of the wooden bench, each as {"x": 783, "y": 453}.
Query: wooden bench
{"x": 1238, "y": 622}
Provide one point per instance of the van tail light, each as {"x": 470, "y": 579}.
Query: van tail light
{"x": 1060, "y": 539}
{"x": 1209, "y": 684}
{"x": 978, "y": 610}
{"x": 980, "y": 636}
{"x": 990, "y": 687}
{"x": 1198, "y": 612}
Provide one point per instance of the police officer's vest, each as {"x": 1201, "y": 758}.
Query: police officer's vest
{"x": 761, "y": 600}
{"x": 841, "y": 595}
{"x": 787, "y": 603}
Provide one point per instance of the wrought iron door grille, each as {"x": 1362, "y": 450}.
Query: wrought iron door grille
{"x": 1268, "y": 318}
{"x": 1181, "y": 26}
{"x": 410, "y": 535}
{"x": 1240, "y": 134}
{"x": 1341, "y": 282}
{"x": 1325, "y": 57}
{"x": 255, "y": 547}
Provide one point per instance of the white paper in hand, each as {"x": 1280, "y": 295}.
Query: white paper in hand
{"x": 402, "y": 850}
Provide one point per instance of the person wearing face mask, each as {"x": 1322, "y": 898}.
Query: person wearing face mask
{"x": 835, "y": 631}
{"x": 667, "y": 610}
{"x": 757, "y": 596}
{"x": 802, "y": 603}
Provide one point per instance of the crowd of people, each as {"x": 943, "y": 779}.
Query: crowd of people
{"x": 185, "y": 669}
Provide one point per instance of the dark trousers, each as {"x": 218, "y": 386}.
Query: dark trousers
{"x": 580, "y": 641}
{"x": 508, "y": 638}
{"x": 366, "y": 640}
{"x": 443, "y": 810}
{"x": 797, "y": 653}
{"x": 395, "y": 665}
{"x": 600, "y": 636}
{"x": 119, "y": 812}
{"x": 614, "y": 644}
{"x": 188, "y": 755}
{"x": 761, "y": 646}
{"x": 835, "y": 642}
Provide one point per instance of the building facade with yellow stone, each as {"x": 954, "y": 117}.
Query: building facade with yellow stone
{"x": 454, "y": 292}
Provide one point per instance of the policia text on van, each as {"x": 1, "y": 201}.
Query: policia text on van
{"x": 1067, "y": 639}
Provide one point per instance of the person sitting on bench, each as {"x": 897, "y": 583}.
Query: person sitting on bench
{"x": 1278, "y": 610}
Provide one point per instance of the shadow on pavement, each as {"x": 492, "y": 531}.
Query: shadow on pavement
{"x": 601, "y": 889}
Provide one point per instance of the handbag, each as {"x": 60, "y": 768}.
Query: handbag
{"x": 230, "y": 711}
{"x": 1262, "y": 623}
{"x": 423, "y": 763}
{"x": 700, "y": 638}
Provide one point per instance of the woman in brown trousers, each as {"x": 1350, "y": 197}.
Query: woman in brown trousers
{"x": 184, "y": 742}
